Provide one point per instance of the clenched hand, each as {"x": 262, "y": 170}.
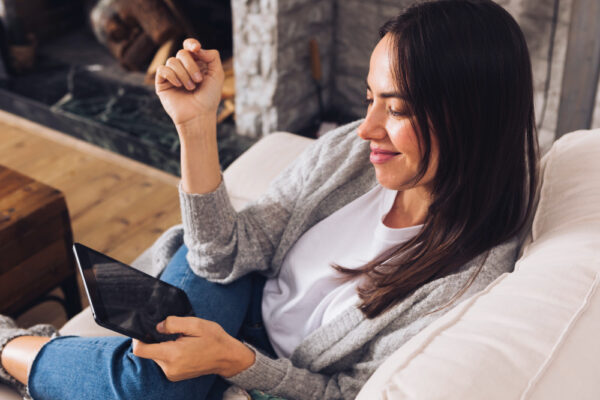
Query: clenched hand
{"x": 189, "y": 85}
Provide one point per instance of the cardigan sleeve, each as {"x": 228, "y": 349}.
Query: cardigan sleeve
{"x": 223, "y": 244}
{"x": 281, "y": 378}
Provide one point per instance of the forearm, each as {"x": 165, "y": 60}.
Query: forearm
{"x": 200, "y": 169}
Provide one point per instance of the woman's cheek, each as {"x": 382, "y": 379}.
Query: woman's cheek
{"x": 403, "y": 137}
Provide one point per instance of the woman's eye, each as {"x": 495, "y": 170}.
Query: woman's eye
{"x": 396, "y": 113}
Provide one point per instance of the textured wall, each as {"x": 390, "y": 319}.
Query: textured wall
{"x": 296, "y": 94}
{"x": 254, "y": 48}
{"x": 536, "y": 19}
{"x": 356, "y": 34}
{"x": 596, "y": 118}
{"x": 274, "y": 88}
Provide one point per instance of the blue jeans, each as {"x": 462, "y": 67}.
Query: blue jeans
{"x": 105, "y": 367}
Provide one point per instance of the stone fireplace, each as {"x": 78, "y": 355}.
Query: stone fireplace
{"x": 274, "y": 86}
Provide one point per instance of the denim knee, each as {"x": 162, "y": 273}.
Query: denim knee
{"x": 105, "y": 368}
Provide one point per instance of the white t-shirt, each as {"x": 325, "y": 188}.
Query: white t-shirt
{"x": 308, "y": 293}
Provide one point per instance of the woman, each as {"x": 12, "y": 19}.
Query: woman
{"x": 376, "y": 230}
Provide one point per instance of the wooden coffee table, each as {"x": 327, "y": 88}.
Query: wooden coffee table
{"x": 35, "y": 245}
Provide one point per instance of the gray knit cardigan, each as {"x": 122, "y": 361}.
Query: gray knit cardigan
{"x": 335, "y": 360}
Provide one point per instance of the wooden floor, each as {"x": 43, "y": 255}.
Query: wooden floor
{"x": 117, "y": 206}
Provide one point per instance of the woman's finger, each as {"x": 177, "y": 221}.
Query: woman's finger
{"x": 188, "y": 326}
{"x": 192, "y": 45}
{"x": 190, "y": 65}
{"x": 154, "y": 351}
{"x": 165, "y": 75}
{"x": 181, "y": 73}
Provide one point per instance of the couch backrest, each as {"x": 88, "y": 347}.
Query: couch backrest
{"x": 532, "y": 334}
{"x": 250, "y": 174}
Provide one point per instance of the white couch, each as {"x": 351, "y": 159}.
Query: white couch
{"x": 532, "y": 334}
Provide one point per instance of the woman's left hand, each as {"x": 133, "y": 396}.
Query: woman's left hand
{"x": 204, "y": 348}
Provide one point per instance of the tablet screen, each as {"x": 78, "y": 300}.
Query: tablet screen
{"x": 124, "y": 297}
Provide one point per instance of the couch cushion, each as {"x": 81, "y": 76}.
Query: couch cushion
{"x": 531, "y": 334}
{"x": 83, "y": 324}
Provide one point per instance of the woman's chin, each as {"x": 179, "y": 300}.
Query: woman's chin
{"x": 390, "y": 183}
{"x": 393, "y": 182}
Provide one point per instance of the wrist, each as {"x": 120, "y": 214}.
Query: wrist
{"x": 197, "y": 125}
{"x": 241, "y": 357}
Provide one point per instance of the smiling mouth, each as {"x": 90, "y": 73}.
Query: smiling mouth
{"x": 379, "y": 151}
{"x": 382, "y": 156}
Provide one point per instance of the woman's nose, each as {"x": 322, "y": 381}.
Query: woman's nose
{"x": 373, "y": 126}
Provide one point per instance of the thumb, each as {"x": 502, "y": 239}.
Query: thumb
{"x": 188, "y": 326}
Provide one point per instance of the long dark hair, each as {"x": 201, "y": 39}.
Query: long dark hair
{"x": 464, "y": 68}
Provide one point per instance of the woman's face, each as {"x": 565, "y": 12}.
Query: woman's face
{"x": 395, "y": 151}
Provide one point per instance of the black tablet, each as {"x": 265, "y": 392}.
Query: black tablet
{"x": 127, "y": 300}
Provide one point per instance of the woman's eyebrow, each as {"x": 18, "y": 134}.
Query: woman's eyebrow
{"x": 388, "y": 95}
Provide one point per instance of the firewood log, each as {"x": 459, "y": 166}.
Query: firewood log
{"x": 133, "y": 29}
{"x": 154, "y": 18}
